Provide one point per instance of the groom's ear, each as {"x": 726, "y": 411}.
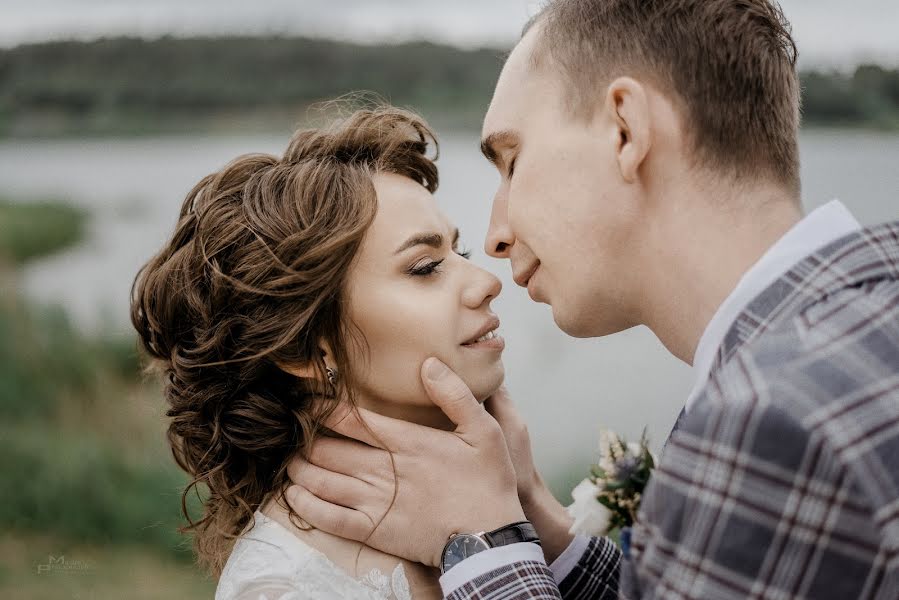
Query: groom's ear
{"x": 628, "y": 104}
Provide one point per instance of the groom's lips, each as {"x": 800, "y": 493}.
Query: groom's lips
{"x": 523, "y": 277}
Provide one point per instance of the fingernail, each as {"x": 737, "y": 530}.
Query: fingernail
{"x": 436, "y": 370}
{"x": 290, "y": 493}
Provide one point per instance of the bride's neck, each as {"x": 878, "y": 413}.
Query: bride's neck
{"x": 429, "y": 415}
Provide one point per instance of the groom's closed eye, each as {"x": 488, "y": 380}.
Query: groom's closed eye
{"x": 494, "y": 144}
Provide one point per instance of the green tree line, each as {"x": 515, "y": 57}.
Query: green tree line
{"x": 130, "y": 85}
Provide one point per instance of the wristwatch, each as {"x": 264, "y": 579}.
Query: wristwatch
{"x": 462, "y": 545}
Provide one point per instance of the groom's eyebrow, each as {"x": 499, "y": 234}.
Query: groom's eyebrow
{"x": 491, "y": 145}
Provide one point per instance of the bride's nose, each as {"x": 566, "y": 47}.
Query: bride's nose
{"x": 482, "y": 287}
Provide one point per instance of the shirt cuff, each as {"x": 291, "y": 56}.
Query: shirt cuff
{"x": 489, "y": 560}
{"x": 565, "y": 563}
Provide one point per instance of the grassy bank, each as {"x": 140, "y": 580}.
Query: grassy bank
{"x": 91, "y": 571}
{"x": 31, "y": 230}
{"x": 85, "y": 467}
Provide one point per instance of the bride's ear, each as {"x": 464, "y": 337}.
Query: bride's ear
{"x": 307, "y": 370}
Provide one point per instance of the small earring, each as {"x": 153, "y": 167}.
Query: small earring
{"x": 332, "y": 375}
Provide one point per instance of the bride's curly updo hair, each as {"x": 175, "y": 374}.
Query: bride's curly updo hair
{"x": 253, "y": 278}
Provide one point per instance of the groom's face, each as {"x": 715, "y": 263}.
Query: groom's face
{"x": 562, "y": 214}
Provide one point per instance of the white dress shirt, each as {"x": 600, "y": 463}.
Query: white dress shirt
{"x": 819, "y": 228}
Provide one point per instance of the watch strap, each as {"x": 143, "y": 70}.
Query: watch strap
{"x": 515, "y": 533}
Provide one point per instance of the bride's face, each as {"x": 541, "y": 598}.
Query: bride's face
{"x": 412, "y": 295}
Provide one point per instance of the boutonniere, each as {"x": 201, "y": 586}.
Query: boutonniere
{"x": 608, "y": 500}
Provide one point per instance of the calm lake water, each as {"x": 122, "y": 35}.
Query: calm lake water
{"x": 565, "y": 387}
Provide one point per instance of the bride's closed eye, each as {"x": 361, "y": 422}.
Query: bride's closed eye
{"x": 431, "y": 267}
{"x": 425, "y": 269}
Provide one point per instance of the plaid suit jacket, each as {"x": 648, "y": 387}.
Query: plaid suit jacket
{"x": 783, "y": 480}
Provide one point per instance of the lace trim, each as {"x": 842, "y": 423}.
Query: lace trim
{"x": 395, "y": 587}
{"x": 283, "y": 565}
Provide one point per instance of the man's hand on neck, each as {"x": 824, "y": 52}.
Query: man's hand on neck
{"x": 395, "y": 478}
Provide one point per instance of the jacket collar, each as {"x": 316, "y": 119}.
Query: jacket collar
{"x": 869, "y": 255}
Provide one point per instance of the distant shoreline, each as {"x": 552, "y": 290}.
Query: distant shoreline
{"x": 134, "y": 127}
{"x": 442, "y": 130}
{"x": 128, "y": 87}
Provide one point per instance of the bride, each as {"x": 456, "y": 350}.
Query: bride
{"x": 293, "y": 286}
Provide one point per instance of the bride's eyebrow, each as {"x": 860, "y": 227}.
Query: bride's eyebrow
{"x": 434, "y": 240}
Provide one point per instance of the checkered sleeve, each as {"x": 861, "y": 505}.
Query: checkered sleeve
{"x": 522, "y": 580}
{"x": 594, "y": 577}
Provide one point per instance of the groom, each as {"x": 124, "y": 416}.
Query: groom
{"x": 650, "y": 175}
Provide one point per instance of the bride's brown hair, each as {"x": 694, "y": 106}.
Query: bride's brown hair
{"x": 254, "y": 277}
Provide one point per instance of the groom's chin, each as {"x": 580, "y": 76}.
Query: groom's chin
{"x": 581, "y": 324}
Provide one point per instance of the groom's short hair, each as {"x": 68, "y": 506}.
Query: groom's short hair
{"x": 729, "y": 66}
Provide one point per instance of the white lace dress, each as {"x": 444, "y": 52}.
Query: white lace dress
{"x": 270, "y": 563}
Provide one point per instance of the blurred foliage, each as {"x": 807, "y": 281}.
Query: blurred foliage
{"x": 868, "y": 97}
{"x": 73, "y": 461}
{"x": 34, "y": 229}
{"x": 44, "y": 358}
{"x": 112, "y": 572}
{"x": 83, "y": 455}
{"x": 170, "y": 85}
{"x": 128, "y": 85}
{"x": 80, "y": 488}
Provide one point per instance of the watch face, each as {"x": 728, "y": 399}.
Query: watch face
{"x": 461, "y": 547}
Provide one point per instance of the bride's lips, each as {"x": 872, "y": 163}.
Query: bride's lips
{"x": 495, "y": 342}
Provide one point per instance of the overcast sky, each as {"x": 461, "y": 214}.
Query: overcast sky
{"x": 829, "y": 32}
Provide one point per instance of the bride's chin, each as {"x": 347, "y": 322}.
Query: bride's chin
{"x": 487, "y": 385}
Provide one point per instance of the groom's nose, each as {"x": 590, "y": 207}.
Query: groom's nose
{"x": 499, "y": 235}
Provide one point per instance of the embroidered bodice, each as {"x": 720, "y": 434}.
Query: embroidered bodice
{"x": 270, "y": 563}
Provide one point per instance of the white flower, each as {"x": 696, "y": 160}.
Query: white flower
{"x": 590, "y": 517}
{"x": 637, "y": 450}
{"x": 608, "y": 439}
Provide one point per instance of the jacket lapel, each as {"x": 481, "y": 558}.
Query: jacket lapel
{"x": 865, "y": 256}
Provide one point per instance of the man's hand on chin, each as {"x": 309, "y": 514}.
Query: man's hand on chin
{"x": 432, "y": 483}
